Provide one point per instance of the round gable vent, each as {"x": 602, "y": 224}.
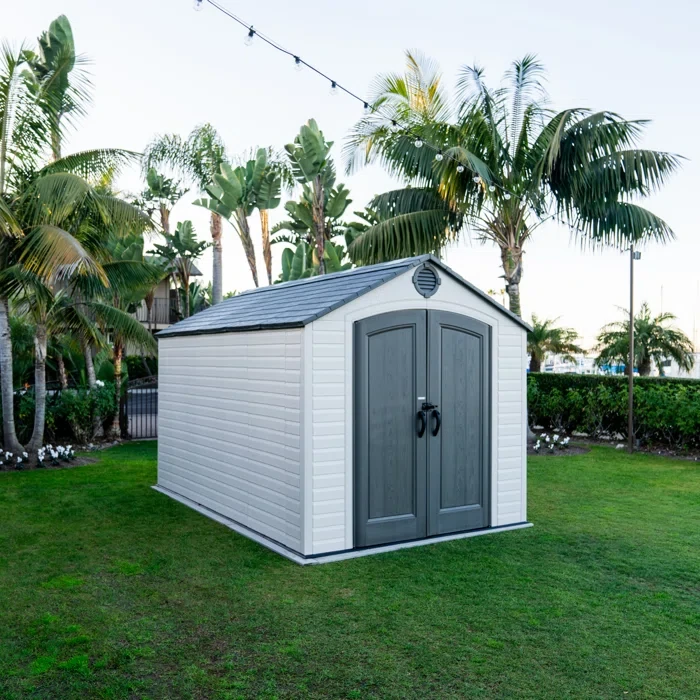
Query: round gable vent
{"x": 426, "y": 280}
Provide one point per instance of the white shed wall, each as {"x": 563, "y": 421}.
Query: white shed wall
{"x": 328, "y": 397}
{"x": 230, "y": 425}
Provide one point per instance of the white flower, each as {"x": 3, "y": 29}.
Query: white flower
{"x": 8, "y": 455}
{"x": 19, "y": 460}
{"x": 555, "y": 437}
{"x": 25, "y": 455}
{"x": 546, "y": 438}
{"x": 99, "y": 382}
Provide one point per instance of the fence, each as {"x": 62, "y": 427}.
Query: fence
{"x": 139, "y": 408}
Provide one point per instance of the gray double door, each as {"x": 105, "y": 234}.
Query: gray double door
{"x": 422, "y": 426}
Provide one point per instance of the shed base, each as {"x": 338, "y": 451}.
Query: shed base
{"x": 331, "y": 556}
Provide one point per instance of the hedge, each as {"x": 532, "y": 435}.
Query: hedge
{"x": 667, "y": 411}
{"x": 69, "y": 413}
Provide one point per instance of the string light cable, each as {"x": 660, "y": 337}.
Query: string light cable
{"x": 336, "y": 87}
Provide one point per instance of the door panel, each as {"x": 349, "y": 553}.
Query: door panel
{"x": 390, "y": 459}
{"x": 459, "y": 383}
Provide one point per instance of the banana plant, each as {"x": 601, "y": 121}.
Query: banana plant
{"x": 233, "y": 195}
{"x": 313, "y": 168}
{"x": 268, "y": 196}
{"x": 302, "y": 261}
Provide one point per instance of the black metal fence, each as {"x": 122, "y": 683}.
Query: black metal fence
{"x": 139, "y": 408}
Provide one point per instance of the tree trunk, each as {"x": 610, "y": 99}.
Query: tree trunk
{"x": 319, "y": 218}
{"x": 148, "y": 300}
{"x": 37, "y": 439}
{"x": 247, "y": 242}
{"x": 266, "y": 246}
{"x": 512, "y": 262}
{"x": 644, "y": 367}
{"x": 115, "y": 430}
{"x": 10, "y": 441}
{"x": 89, "y": 364}
{"x": 217, "y": 293}
{"x": 535, "y": 364}
{"x": 164, "y": 218}
{"x": 185, "y": 276}
{"x": 62, "y": 374}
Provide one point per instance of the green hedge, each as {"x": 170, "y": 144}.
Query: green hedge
{"x": 69, "y": 413}
{"x": 667, "y": 411}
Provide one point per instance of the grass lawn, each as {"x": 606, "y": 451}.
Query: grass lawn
{"x": 111, "y": 590}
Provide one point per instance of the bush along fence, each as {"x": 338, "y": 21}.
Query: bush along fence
{"x": 76, "y": 415}
{"x": 667, "y": 411}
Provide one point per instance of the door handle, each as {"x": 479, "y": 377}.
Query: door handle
{"x": 438, "y": 421}
{"x": 420, "y": 423}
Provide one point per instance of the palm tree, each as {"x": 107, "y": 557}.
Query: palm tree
{"x": 545, "y": 338}
{"x": 506, "y": 164}
{"x": 181, "y": 249}
{"x": 198, "y": 158}
{"x": 654, "y": 341}
{"x": 162, "y": 194}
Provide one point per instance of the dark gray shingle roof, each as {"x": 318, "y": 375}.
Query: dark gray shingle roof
{"x": 295, "y": 304}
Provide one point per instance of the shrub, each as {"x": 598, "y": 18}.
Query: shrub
{"x": 70, "y": 413}
{"x": 136, "y": 369}
{"x": 667, "y": 411}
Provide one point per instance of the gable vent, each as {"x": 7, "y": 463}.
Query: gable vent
{"x": 426, "y": 280}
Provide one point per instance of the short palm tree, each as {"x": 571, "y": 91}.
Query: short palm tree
{"x": 654, "y": 341}
{"x": 197, "y": 158}
{"x": 506, "y": 164}
{"x": 545, "y": 337}
{"x": 181, "y": 249}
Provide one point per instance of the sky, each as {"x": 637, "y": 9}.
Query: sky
{"x": 158, "y": 66}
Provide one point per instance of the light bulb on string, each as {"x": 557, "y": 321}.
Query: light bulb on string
{"x": 394, "y": 126}
{"x": 198, "y": 5}
{"x": 439, "y": 156}
{"x": 418, "y": 143}
{"x": 249, "y": 39}
{"x": 477, "y": 179}
{"x": 492, "y": 188}
{"x": 298, "y": 65}
{"x": 460, "y": 168}
{"x": 334, "y": 88}
{"x": 367, "y": 108}
{"x": 506, "y": 195}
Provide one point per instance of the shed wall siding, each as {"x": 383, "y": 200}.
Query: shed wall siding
{"x": 329, "y": 393}
{"x": 230, "y": 427}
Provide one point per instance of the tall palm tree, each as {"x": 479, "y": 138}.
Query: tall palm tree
{"x": 654, "y": 342}
{"x": 545, "y": 338}
{"x": 197, "y": 158}
{"x": 506, "y": 164}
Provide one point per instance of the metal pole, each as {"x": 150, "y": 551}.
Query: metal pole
{"x": 630, "y": 423}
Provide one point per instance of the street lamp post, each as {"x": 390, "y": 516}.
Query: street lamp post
{"x": 634, "y": 255}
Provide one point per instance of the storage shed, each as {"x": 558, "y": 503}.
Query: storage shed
{"x": 355, "y": 412}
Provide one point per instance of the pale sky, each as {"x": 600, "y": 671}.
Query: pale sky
{"x": 159, "y": 67}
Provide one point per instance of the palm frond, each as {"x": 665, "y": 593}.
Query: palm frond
{"x": 124, "y": 325}
{"x": 94, "y": 164}
{"x": 49, "y": 251}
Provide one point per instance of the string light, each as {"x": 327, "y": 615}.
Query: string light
{"x": 335, "y": 88}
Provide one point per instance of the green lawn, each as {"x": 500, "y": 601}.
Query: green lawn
{"x": 111, "y": 590}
